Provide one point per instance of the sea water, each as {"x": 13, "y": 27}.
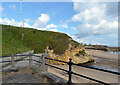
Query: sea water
{"x": 114, "y": 52}
{"x": 103, "y": 63}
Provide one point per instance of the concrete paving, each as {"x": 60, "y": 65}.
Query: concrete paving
{"x": 21, "y": 78}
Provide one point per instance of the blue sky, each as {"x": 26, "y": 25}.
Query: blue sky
{"x": 91, "y": 23}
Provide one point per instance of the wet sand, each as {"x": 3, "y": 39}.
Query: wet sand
{"x": 104, "y": 60}
{"x": 102, "y": 54}
{"x": 105, "y": 64}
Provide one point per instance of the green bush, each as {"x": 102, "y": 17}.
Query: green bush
{"x": 77, "y": 54}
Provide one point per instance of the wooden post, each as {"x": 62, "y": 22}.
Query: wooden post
{"x": 44, "y": 67}
{"x": 13, "y": 63}
{"x": 30, "y": 60}
{"x": 43, "y": 63}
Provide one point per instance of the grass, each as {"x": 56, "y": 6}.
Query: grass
{"x": 80, "y": 53}
{"x": 33, "y": 40}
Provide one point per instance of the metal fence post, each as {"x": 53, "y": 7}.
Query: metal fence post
{"x": 70, "y": 71}
{"x": 30, "y": 60}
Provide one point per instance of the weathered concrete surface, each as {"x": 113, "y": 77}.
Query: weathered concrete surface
{"x": 21, "y": 78}
{"x": 55, "y": 78}
{"x": 30, "y": 76}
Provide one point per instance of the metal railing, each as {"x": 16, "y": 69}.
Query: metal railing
{"x": 70, "y": 63}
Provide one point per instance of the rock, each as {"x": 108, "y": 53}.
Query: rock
{"x": 70, "y": 53}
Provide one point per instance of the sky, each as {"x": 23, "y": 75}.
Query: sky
{"x": 85, "y": 22}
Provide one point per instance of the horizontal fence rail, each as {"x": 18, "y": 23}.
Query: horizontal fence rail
{"x": 113, "y": 72}
{"x": 70, "y": 71}
{"x": 21, "y": 55}
{"x": 37, "y": 56}
{"x": 36, "y": 61}
{"x": 4, "y": 61}
{"x": 4, "y": 56}
{"x": 56, "y": 67}
{"x": 86, "y": 66}
{"x": 56, "y": 60}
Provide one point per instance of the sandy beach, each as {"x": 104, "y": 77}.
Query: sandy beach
{"x": 99, "y": 75}
{"x": 102, "y": 54}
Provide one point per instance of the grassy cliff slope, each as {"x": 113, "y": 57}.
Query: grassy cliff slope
{"x": 33, "y": 40}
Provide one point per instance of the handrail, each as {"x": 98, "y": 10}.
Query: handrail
{"x": 36, "y": 61}
{"x": 37, "y": 56}
{"x": 56, "y": 60}
{"x": 21, "y": 55}
{"x": 86, "y": 66}
{"x": 4, "y": 61}
{"x": 97, "y": 68}
{"x": 56, "y": 67}
{"x": 4, "y": 56}
{"x": 70, "y": 71}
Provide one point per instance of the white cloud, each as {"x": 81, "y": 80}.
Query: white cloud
{"x": 27, "y": 20}
{"x": 64, "y": 26}
{"x": 41, "y": 21}
{"x": 27, "y": 25}
{"x": 90, "y": 40}
{"x": 92, "y": 15}
{"x": 40, "y": 28}
{"x": 55, "y": 30}
{"x": 13, "y": 6}
{"x": 51, "y": 26}
{"x": 94, "y": 18}
{"x": 6, "y": 21}
{"x": 74, "y": 28}
{"x": 96, "y": 23}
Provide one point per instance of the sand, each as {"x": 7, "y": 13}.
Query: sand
{"x": 102, "y": 54}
